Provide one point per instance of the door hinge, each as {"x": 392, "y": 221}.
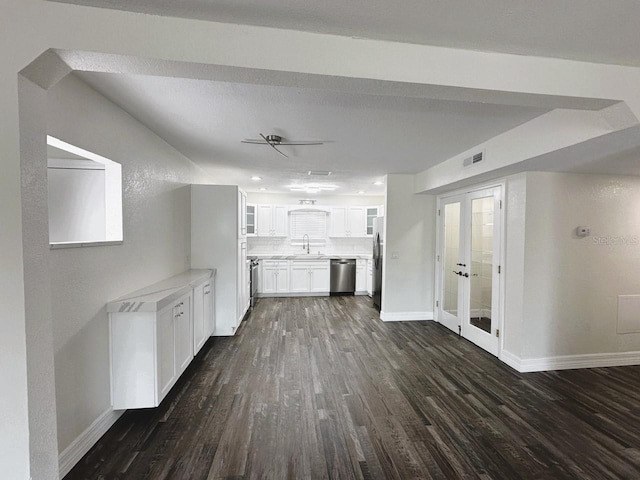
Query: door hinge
{"x": 438, "y": 212}
{"x": 497, "y": 332}
{"x": 499, "y": 269}
{"x": 438, "y": 258}
{"x": 500, "y": 204}
{"x": 437, "y": 303}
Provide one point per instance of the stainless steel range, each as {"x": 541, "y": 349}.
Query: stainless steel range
{"x": 254, "y": 272}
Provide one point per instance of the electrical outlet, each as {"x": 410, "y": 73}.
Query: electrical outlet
{"x": 395, "y": 255}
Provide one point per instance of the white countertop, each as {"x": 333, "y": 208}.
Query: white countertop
{"x": 311, "y": 256}
{"x": 157, "y": 296}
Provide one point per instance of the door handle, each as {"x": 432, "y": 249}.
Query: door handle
{"x": 461, "y": 264}
{"x": 457, "y": 273}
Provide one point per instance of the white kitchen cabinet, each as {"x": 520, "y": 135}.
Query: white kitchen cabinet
{"x": 320, "y": 277}
{"x": 272, "y": 221}
{"x": 252, "y": 216}
{"x": 242, "y": 214}
{"x": 203, "y": 315}
{"x": 299, "y": 277}
{"x": 370, "y": 277}
{"x": 274, "y": 277}
{"x": 152, "y": 337}
{"x": 183, "y": 328}
{"x": 348, "y": 222}
{"x": 361, "y": 276}
{"x": 243, "y": 281}
{"x": 149, "y": 351}
{"x": 310, "y": 276}
{"x": 371, "y": 214}
{"x": 217, "y": 217}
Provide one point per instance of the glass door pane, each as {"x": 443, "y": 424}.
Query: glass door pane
{"x": 372, "y": 213}
{"x": 451, "y": 258}
{"x": 481, "y": 268}
{"x": 251, "y": 219}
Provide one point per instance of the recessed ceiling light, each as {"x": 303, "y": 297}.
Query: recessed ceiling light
{"x": 256, "y": 178}
{"x": 360, "y": 192}
{"x": 378, "y": 183}
{"x": 262, "y": 189}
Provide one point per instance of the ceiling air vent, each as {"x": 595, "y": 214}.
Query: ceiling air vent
{"x": 319, "y": 173}
{"x": 477, "y": 158}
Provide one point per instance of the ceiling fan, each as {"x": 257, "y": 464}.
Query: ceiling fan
{"x": 275, "y": 141}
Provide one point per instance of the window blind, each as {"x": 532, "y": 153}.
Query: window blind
{"x": 313, "y": 224}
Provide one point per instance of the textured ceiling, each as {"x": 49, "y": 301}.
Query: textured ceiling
{"x": 367, "y": 136}
{"x": 602, "y": 31}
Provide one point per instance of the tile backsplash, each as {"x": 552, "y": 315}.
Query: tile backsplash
{"x": 328, "y": 246}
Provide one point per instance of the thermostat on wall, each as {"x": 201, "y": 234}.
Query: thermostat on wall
{"x": 582, "y": 231}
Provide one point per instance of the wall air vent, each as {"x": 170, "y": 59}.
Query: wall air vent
{"x": 472, "y": 160}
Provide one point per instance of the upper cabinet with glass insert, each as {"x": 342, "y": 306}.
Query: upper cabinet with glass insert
{"x": 251, "y": 220}
{"x": 373, "y": 212}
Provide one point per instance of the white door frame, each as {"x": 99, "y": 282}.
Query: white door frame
{"x": 501, "y": 255}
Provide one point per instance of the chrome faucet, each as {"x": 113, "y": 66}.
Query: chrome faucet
{"x": 308, "y": 246}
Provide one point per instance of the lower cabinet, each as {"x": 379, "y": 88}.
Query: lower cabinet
{"x": 204, "y": 320}
{"x": 275, "y": 277}
{"x": 310, "y": 276}
{"x": 361, "y": 276}
{"x": 149, "y": 350}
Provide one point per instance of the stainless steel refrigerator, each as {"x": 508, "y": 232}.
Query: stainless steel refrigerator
{"x": 378, "y": 249}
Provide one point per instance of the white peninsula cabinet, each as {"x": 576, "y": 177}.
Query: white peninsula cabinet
{"x": 310, "y": 277}
{"x": 218, "y": 240}
{"x": 152, "y": 336}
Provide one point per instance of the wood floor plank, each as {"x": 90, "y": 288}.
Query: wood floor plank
{"x": 320, "y": 388}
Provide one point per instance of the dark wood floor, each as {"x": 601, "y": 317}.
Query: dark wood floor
{"x": 321, "y": 388}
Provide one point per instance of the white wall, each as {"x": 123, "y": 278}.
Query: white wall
{"x": 571, "y": 283}
{"x": 76, "y": 204}
{"x": 408, "y": 280}
{"x": 514, "y": 272}
{"x": 156, "y": 244}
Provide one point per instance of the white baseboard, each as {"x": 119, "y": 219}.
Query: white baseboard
{"x": 568, "y": 362}
{"x": 510, "y": 359}
{"x": 87, "y": 439}
{"x": 405, "y": 316}
{"x": 293, "y": 294}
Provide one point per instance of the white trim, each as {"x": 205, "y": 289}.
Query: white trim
{"x": 292, "y": 294}
{"x": 510, "y": 359}
{"x": 87, "y": 439}
{"x": 405, "y": 316}
{"x": 567, "y": 362}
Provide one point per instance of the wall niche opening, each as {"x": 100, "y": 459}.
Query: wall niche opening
{"x": 85, "y": 197}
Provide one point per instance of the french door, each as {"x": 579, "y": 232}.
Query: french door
{"x": 469, "y": 252}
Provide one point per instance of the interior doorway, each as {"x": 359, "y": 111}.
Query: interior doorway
{"x": 469, "y": 265}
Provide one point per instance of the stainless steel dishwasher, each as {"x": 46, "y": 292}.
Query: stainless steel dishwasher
{"x": 343, "y": 276}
